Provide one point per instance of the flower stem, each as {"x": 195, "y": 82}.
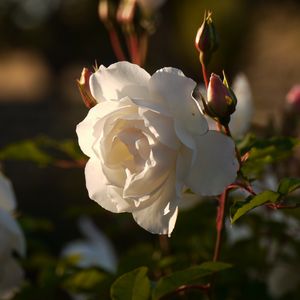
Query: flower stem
{"x": 115, "y": 43}
{"x": 238, "y": 155}
{"x": 220, "y": 223}
{"x": 182, "y": 289}
{"x": 134, "y": 48}
{"x": 144, "y": 40}
{"x": 204, "y": 73}
{"x": 164, "y": 244}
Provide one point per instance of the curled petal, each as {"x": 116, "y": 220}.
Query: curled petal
{"x": 119, "y": 80}
{"x": 91, "y": 127}
{"x": 175, "y": 91}
{"x": 162, "y": 127}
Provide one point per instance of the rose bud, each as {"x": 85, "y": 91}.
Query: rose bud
{"x": 221, "y": 101}
{"x": 84, "y": 88}
{"x": 293, "y": 99}
{"x": 206, "y": 41}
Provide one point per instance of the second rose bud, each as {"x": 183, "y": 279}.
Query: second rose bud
{"x": 221, "y": 100}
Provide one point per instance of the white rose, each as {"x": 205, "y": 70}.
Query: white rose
{"x": 147, "y": 139}
{"x": 7, "y": 196}
{"x": 11, "y": 240}
{"x": 95, "y": 250}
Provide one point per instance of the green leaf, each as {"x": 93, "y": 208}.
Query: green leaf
{"x": 255, "y": 201}
{"x": 265, "y": 152}
{"x": 134, "y": 285}
{"x": 171, "y": 282}
{"x": 43, "y": 151}
{"x": 84, "y": 280}
{"x": 288, "y": 185}
{"x": 25, "y": 150}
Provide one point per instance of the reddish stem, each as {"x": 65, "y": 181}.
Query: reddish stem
{"x": 143, "y": 48}
{"x": 219, "y": 223}
{"x": 283, "y": 206}
{"x": 238, "y": 155}
{"x": 204, "y": 288}
{"x": 204, "y": 73}
{"x": 115, "y": 43}
{"x": 66, "y": 164}
{"x": 164, "y": 244}
{"x": 133, "y": 46}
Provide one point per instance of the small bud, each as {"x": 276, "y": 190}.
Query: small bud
{"x": 84, "y": 88}
{"x": 293, "y": 99}
{"x": 221, "y": 100}
{"x": 206, "y": 41}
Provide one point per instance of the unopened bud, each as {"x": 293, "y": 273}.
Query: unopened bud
{"x": 84, "y": 88}
{"x": 221, "y": 101}
{"x": 293, "y": 99}
{"x": 206, "y": 41}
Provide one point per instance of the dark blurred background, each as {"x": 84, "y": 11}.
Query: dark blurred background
{"x": 45, "y": 44}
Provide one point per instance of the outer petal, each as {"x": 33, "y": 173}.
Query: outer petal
{"x": 7, "y": 196}
{"x": 97, "y": 185}
{"x": 175, "y": 90}
{"x": 100, "y": 190}
{"x": 11, "y": 235}
{"x": 118, "y": 81}
{"x": 160, "y": 217}
{"x": 215, "y": 166}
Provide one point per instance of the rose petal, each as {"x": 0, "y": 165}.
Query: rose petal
{"x": 11, "y": 235}
{"x": 162, "y": 127}
{"x": 215, "y": 166}
{"x": 96, "y": 184}
{"x": 175, "y": 90}
{"x": 160, "y": 217}
{"x": 160, "y": 163}
{"x": 119, "y": 80}
{"x": 91, "y": 127}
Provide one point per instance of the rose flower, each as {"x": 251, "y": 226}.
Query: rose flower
{"x": 147, "y": 140}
